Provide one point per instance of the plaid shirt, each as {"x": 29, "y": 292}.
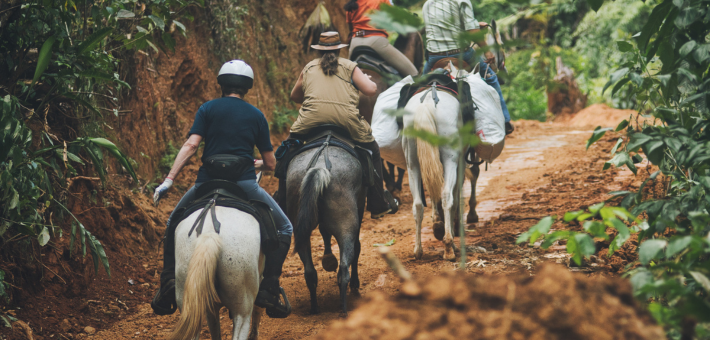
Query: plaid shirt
{"x": 444, "y": 21}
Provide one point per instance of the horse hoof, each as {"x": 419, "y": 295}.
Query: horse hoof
{"x": 449, "y": 255}
{"x": 314, "y": 310}
{"x": 343, "y": 315}
{"x": 472, "y": 218}
{"x": 418, "y": 253}
{"x": 439, "y": 230}
{"x": 329, "y": 263}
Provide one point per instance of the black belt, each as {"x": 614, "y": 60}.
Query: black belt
{"x": 450, "y": 52}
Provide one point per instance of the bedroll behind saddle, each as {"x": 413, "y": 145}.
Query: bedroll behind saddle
{"x": 321, "y": 138}
{"x": 227, "y": 194}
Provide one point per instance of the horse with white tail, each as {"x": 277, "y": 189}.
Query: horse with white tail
{"x": 218, "y": 269}
{"x": 436, "y": 167}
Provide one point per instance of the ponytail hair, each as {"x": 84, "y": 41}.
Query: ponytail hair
{"x": 351, "y": 6}
{"x": 329, "y": 62}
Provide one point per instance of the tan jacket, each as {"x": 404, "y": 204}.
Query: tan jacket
{"x": 331, "y": 100}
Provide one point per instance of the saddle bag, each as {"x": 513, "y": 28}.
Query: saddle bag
{"x": 227, "y": 167}
{"x": 285, "y": 152}
{"x": 269, "y": 233}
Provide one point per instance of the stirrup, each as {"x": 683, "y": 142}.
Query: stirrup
{"x": 273, "y": 305}
{"x": 160, "y": 309}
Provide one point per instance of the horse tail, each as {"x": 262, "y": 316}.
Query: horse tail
{"x": 200, "y": 295}
{"x": 429, "y": 161}
{"x": 312, "y": 186}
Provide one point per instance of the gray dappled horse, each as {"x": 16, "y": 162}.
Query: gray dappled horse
{"x": 334, "y": 200}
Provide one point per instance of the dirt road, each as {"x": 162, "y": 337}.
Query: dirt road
{"x": 544, "y": 170}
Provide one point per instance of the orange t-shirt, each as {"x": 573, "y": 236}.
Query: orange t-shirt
{"x": 359, "y": 19}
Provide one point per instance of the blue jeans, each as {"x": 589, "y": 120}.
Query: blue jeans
{"x": 486, "y": 73}
{"x": 254, "y": 192}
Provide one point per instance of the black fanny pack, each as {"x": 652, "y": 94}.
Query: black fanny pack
{"x": 227, "y": 167}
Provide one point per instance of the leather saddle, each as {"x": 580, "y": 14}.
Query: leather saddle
{"x": 321, "y": 138}
{"x": 367, "y": 58}
{"x": 214, "y": 193}
{"x": 444, "y": 62}
{"x": 439, "y": 80}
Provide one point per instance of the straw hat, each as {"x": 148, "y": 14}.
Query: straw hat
{"x": 329, "y": 41}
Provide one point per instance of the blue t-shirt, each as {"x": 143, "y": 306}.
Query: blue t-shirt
{"x": 231, "y": 126}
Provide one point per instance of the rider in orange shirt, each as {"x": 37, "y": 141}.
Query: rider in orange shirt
{"x": 364, "y": 34}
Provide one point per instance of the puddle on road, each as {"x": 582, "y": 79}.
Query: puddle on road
{"x": 517, "y": 157}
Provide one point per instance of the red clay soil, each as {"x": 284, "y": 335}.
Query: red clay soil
{"x": 553, "y": 304}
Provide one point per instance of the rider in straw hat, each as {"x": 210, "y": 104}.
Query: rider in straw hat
{"x": 229, "y": 126}
{"x": 328, "y": 88}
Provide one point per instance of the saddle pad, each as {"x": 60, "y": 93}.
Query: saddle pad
{"x": 259, "y": 210}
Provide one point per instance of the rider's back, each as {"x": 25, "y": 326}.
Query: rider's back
{"x": 231, "y": 126}
{"x": 331, "y": 100}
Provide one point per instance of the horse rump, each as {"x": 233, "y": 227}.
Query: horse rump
{"x": 200, "y": 295}
{"x": 429, "y": 160}
{"x": 314, "y": 182}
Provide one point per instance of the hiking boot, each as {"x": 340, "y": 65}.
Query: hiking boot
{"x": 270, "y": 293}
{"x": 164, "y": 301}
{"x": 392, "y": 206}
{"x": 269, "y": 297}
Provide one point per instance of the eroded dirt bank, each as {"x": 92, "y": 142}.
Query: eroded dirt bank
{"x": 544, "y": 170}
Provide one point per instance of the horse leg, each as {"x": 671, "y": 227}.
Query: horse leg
{"x": 213, "y": 324}
{"x": 415, "y": 186}
{"x": 347, "y": 254}
{"x": 240, "y": 322}
{"x": 448, "y": 200}
{"x": 388, "y": 177}
{"x": 329, "y": 262}
{"x": 354, "y": 278}
{"x": 310, "y": 274}
{"x": 472, "y": 216}
{"x": 438, "y": 218}
{"x": 255, "y": 320}
{"x": 400, "y": 178}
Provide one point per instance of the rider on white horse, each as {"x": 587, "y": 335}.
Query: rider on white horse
{"x": 228, "y": 126}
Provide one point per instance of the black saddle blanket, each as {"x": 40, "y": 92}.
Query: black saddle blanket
{"x": 443, "y": 82}
{"x": 215, "y": 194}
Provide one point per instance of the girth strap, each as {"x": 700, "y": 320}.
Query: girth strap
{"x": 200, "y": 222}
{"x": 320, "y": 150}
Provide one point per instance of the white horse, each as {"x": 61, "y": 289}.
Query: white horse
{"x": 437, "y": 167}
{"x": 215, "y": 270}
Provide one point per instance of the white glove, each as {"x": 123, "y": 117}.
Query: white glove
{"x": 161, "y": 190}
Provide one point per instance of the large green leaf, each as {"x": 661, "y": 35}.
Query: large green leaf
{"x": 580, "y": 245}
{"x": 595, "y": 4}
{"x": 93, "y": 39}
{"x": 397, "y": 19}
{"x": 653, "y": 24}
{"x": 540, "y": 229}
{"x": 45, "y": 55}
{"x": 597, "y": 135}
{"x": 113, "y": 149}
{"x": 650, "y": 249}
{"x": 677, "y": 245}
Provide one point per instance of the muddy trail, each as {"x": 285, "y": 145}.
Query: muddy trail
{"x": 544, "y": 170}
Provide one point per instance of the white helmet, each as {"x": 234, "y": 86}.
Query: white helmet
{"x": 236, "y": 73}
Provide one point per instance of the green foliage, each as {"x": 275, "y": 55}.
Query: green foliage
{"x": 282, "y": 118}
{"x": 595, "y": 222}
{"x": 74, "y": 73}
{"x": 396, "y": 19}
